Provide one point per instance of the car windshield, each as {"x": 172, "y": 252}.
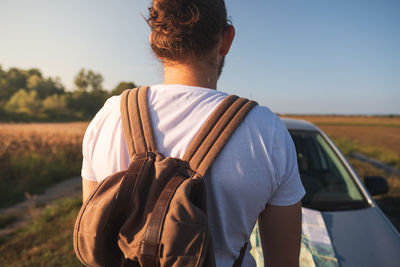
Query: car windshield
{"x": 329, "y": 185}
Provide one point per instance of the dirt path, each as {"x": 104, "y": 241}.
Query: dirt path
{"x": 25, "y": 211}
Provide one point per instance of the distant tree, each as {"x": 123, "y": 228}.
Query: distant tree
{"x": 122, "y": 86}
{"x": 54, "y": 102}
{"x": 33, "y": 81}
{"x": 57, "y": 86}
{"x": 5, "y": 92}
{"x": 86, "y": 104}
{"x": 2, "y": 73}
{"x": 3, "y": 114}
{"x": 95, "y": 80}
{"x": 10, "y": 82}
{"x": 24, "y": 102}
{"x": 35, "y": 71}
{"x": 26, "y": 95}
{"x": 81, "y": 81}
{"x": 44, "y": 87}
{"x": 85, "y": 80}
{"x": 54, "y": 107}
{"x": 16, "y": 79}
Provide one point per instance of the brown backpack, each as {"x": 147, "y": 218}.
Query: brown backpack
{"x": 154, "y": 213}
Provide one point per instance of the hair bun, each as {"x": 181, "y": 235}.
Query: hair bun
{"x": 174, "y": 18}
{"x": 183, "y": 28}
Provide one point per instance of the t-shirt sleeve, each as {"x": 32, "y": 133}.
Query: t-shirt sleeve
{"x": 99, "y": 132}
{"x": 289, "y": 189}
{"x": 87, "y": 172}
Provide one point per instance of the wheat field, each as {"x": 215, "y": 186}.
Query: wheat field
{"x": 34, "y": 156}
{"x": 393, "y": 121}
{"x": 376, "y": 132}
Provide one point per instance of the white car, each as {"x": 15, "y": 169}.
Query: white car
{"x": 342, "y": 225}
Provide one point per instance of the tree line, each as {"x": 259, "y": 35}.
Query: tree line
{"x": 27, "y": 96}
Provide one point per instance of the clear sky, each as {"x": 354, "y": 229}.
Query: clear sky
{"x": 300, "y": 56}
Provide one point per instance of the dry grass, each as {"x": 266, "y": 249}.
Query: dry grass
{"x": 69, "y": 128}
{"x": 350, "y": 120}
{"x": 376, "y": 136}
{"x": 39, "y": 137}
{"x": 33, "y": 156}
{"x": 375, "y": 132}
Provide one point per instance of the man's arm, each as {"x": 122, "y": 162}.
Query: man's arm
{"x": 280, "y": 232}
{"x": 87, "y": 188}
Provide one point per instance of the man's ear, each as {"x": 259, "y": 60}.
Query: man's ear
{"x": 227, "y": 40}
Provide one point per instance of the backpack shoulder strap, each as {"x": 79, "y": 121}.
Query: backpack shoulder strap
{"x": 136, "y": 121}
{"x": 212, "y": 137}
{"x": 215, "y": 132}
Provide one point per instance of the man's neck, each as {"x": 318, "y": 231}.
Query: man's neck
{"x": 192, "y": 75}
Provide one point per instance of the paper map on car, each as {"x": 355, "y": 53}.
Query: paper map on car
{"x": 316, "y": 247}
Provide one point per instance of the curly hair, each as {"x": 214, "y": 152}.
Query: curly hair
{"x": 184, "y": 29}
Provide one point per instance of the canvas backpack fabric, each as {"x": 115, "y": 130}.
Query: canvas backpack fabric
{"x": 154, "y": 213}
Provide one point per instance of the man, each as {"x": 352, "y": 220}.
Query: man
{"x": 254, "y": 176}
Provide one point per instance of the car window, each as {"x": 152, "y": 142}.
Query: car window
{"x": 328, "y": 184}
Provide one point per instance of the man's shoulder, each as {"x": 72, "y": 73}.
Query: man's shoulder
{"x": 109, "y": 113}
{"x": 262, "y": 118}
{"x": 261, "y": 113}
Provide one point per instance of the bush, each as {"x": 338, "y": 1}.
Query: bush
{"x": 46, "y": 241}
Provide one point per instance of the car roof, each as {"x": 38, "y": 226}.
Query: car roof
{"x": 294, "y": 124}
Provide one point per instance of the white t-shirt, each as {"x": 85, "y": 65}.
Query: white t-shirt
{"x": 257, "y": 166}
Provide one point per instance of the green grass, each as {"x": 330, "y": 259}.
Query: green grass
{"x": 33, "y": 172}
{"x": 6, "y": 220}
{"x": 348, "y": 146}
{"x": 46, "y": 241}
